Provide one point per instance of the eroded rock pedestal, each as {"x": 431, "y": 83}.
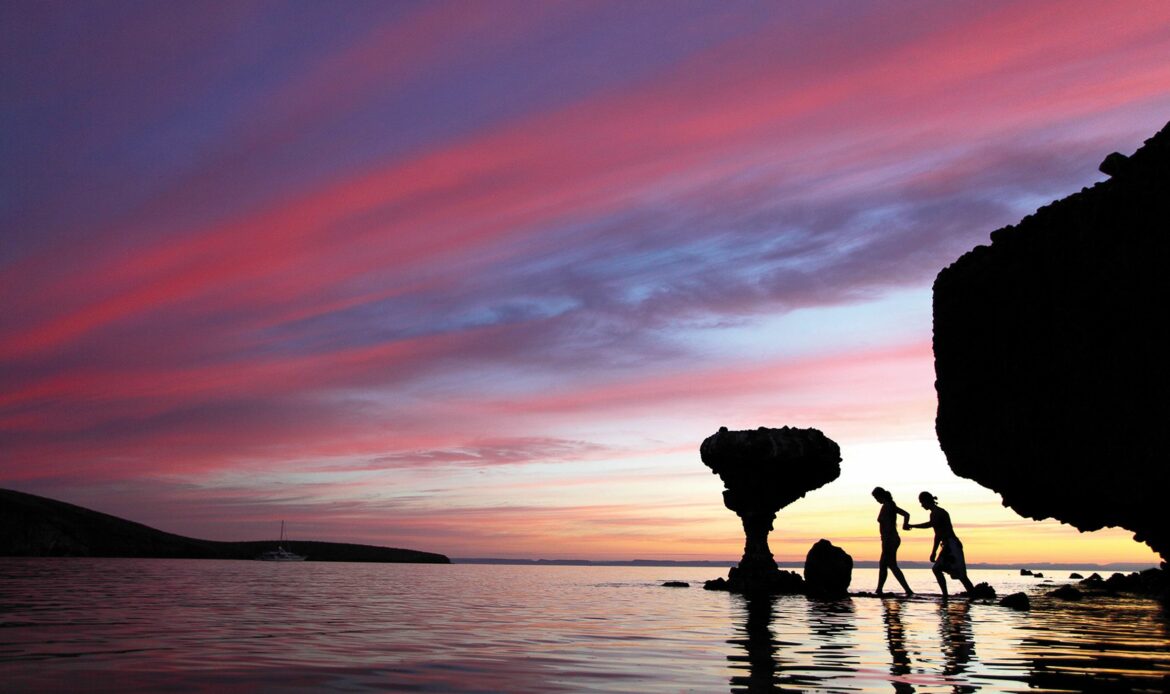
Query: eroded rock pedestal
{"x": 1051, "y": 351}
{"x": 764, "y": 470}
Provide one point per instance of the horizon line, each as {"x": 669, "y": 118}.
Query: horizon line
{"x": 863, "y": 564}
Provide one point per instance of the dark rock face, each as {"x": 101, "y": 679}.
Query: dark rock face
{"x": 764, "y": 470}
{"x": 828, "y": 569}
{"x": 1050, "y": 355}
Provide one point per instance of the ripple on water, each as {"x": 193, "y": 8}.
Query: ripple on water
{"x": 145, "y": 625}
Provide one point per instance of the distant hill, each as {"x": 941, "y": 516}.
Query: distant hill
{"x": 33, "y": 526}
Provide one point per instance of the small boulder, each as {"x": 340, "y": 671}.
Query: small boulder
{"x": 1038, "y": 575}
{"x": 828, "y": 569}
{"x": 1016, "y": 601}
{"x": 676, "y": 584}
{"x": 1093, "y": 581}
{"x": 1075, "y": 576}
{"x": 981, "y": 591}
{"x": 1025, "y": 572}
{"x": 715, "y": 584}
{"x": 1067, "y": 593}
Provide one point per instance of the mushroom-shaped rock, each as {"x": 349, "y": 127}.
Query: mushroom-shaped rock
{"x": 764, "y": 470}
{"x": 1050, "y": 352}
{"x": 828, "y": 569}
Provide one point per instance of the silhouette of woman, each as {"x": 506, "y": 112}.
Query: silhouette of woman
{"x": 888, "y": 526}
{"x": 950, "y": 559}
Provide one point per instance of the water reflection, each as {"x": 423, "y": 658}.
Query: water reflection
{"x": 957, "y": 638}
{"x": 826, "y": 653}
{"x": 760, "y": 646}
{"x": 832, "y": 625}
{"x": 896, "y": 640}
{"x": 143, "y": 625}
{"x": 1115, "y": 646}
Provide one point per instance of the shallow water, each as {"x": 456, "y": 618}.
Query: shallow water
{"x": 174, "y": 625}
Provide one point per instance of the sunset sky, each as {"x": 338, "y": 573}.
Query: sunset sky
{"x": 478, "y": 278}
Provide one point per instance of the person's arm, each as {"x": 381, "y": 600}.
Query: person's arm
{"x": 927, "y": 524}
{"x": 905, "y": 518}
{"x": 934, "y": 547}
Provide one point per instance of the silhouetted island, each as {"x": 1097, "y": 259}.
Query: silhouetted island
{"x": 763, "y": 470}
{"x": 1051, "y": 354}
{"x": 33, "y": 526}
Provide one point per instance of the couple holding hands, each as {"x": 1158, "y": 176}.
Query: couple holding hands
{"x": 949, "y": 560}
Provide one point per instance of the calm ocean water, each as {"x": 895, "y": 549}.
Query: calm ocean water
{"x": 174, "y": 625}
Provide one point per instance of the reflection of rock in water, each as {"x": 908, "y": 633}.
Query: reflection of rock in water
{"x": 958, "y": 641}
{"x": 760, "y": 646}
{"x": 832, "y": 625}
{"x": 896, "y": 640}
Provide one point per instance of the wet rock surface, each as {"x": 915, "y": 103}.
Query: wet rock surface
{"x": 1067, "y": 593}
{"x": 1050, "y": 352}
{"x": 1016, "y": 601}
{"x": 982, "y": 591}
{"x": 763, "y": 470}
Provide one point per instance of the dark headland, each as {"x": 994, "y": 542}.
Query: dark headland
{"x": 33, "y": 526}
{"x": 1050, "y": 352}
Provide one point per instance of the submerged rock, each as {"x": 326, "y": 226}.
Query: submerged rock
{"x": 1066, "y": 593}
{"x": 1050, "y": 355}
{"x": 764, "y": 470}
{"x": 676, "y": 584}
{"x": 1016, "y": 601}
{"x": 828, "y": 570}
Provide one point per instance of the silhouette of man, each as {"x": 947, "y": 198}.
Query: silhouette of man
{"x": 947, "y": 547}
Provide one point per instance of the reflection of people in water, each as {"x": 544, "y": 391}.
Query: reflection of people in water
{"x": 888, "y": 526}
{"x": 950, "y": 559}
{"x": 896, "y": 640}
{"x": 958, "y": 641}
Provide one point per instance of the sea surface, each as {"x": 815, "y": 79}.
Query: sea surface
{"x": 189, "y": 625}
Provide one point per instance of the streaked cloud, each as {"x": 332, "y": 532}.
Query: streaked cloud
{"x": 411, "y": 244}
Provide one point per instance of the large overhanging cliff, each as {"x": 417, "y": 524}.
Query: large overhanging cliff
{"x": 1051, "y": 352}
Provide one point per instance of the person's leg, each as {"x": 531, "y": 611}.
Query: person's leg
{"x": 942, "y": 582}
{"x": 966, "y": 582}
{"x": 894, "y": 569}
{"x": 881, "y": 575}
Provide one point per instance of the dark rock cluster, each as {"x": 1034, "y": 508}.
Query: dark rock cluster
{"x": 1151, "y": 582}
{"x": 1051, "y": 355}
{"x": 763, "y": 470}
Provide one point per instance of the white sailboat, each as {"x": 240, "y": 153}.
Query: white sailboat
{"x": 280, "y": 553}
